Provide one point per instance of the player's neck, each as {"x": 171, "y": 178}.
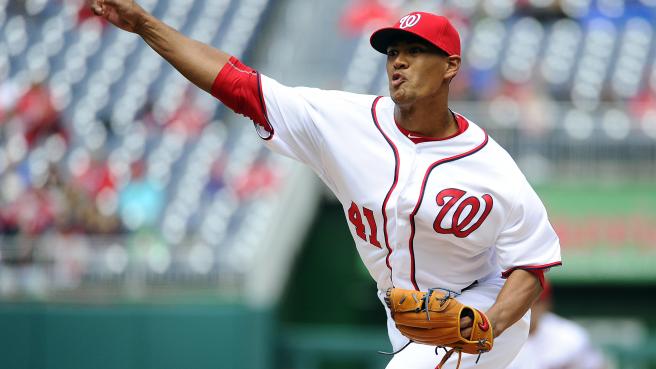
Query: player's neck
{"x": 430, "y": 120}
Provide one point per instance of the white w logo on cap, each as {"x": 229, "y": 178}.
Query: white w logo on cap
{"x": 409, "y": 20}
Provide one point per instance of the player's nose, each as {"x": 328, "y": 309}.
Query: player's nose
{"x": 400, "y": 62}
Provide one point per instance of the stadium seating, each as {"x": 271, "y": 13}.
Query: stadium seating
{"x": 121, "y": 105}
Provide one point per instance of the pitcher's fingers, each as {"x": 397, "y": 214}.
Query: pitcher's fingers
{"x": 96, "y": 7}
{"x": 466, "y": 324}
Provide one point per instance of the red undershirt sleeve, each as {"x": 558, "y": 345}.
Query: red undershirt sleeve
{"x": 239, "y": 87}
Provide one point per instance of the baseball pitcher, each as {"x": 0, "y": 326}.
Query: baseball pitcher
{"x": 448, "y": 227}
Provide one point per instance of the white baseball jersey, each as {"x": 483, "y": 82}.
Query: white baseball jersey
{"x": 558, "y": 343}
{"x": 454, "y": 213}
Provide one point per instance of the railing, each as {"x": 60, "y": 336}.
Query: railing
{"x": 135, "y": 266}
{"x": 561, "y": 143}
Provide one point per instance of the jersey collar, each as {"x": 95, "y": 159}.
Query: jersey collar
{"x": 417, "y": 138}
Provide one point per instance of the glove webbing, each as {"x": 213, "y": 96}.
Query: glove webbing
{"x": 447, "y": 356}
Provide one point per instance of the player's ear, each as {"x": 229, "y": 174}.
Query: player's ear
{"x": 452, "y": 67}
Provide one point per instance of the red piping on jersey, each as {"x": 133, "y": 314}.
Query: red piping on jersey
{"x": 537, "y": 270}
{"x": 530, "y": 267}
{"x": 268, "y": 127}
{"x": 396, "y": 180}
{"x": 421, "y": 197}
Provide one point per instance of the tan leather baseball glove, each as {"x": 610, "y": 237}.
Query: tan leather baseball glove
{"x": 433, "y": 318}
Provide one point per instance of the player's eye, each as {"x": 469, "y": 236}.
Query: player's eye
{"x": 416, "y": 50}
{"x": 392, "y": 52}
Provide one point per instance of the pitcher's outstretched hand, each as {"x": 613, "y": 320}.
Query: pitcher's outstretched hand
{"x": 124, "y": 14}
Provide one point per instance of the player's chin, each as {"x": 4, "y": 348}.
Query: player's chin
{"x": 399, "y": 96}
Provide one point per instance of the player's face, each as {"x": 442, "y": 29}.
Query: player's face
{"x": 417, "y": 70}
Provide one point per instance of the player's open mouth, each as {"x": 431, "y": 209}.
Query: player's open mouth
{"x": 397, "y": 79}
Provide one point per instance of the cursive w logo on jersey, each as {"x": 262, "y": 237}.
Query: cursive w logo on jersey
{"x": 461, "y": 227}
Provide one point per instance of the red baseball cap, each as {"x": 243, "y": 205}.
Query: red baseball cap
{"x": 433, "y": 28}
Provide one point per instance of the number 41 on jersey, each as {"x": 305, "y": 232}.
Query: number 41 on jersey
{"x": 355, "y": 216}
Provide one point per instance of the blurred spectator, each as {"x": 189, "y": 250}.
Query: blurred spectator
{"x": 533, "y": 103}
{"x": 360, "y": 15}
{"x": 183, "y": 117}
{"x": 187, "y": 119}
{"x": 258, "y": 179}
{"x": 91, "y": 196}
{"x": 555, "y": 342}
{"x": 84, "y": 215}
{"x": 36, "y": 114}
{"x": 141, "y": 201}
{"x": 94, "y": 178}
{"x": 30, "y": 208}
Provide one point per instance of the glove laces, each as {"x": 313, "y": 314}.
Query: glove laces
{"x": 448, "y": 354}
{"x": 395, "y": 352}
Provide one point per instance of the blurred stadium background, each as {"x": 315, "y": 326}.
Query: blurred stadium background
{"x": 145, "y": 226}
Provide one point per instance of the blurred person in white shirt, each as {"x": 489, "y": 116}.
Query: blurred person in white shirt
{"x": 555, "y": 342}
